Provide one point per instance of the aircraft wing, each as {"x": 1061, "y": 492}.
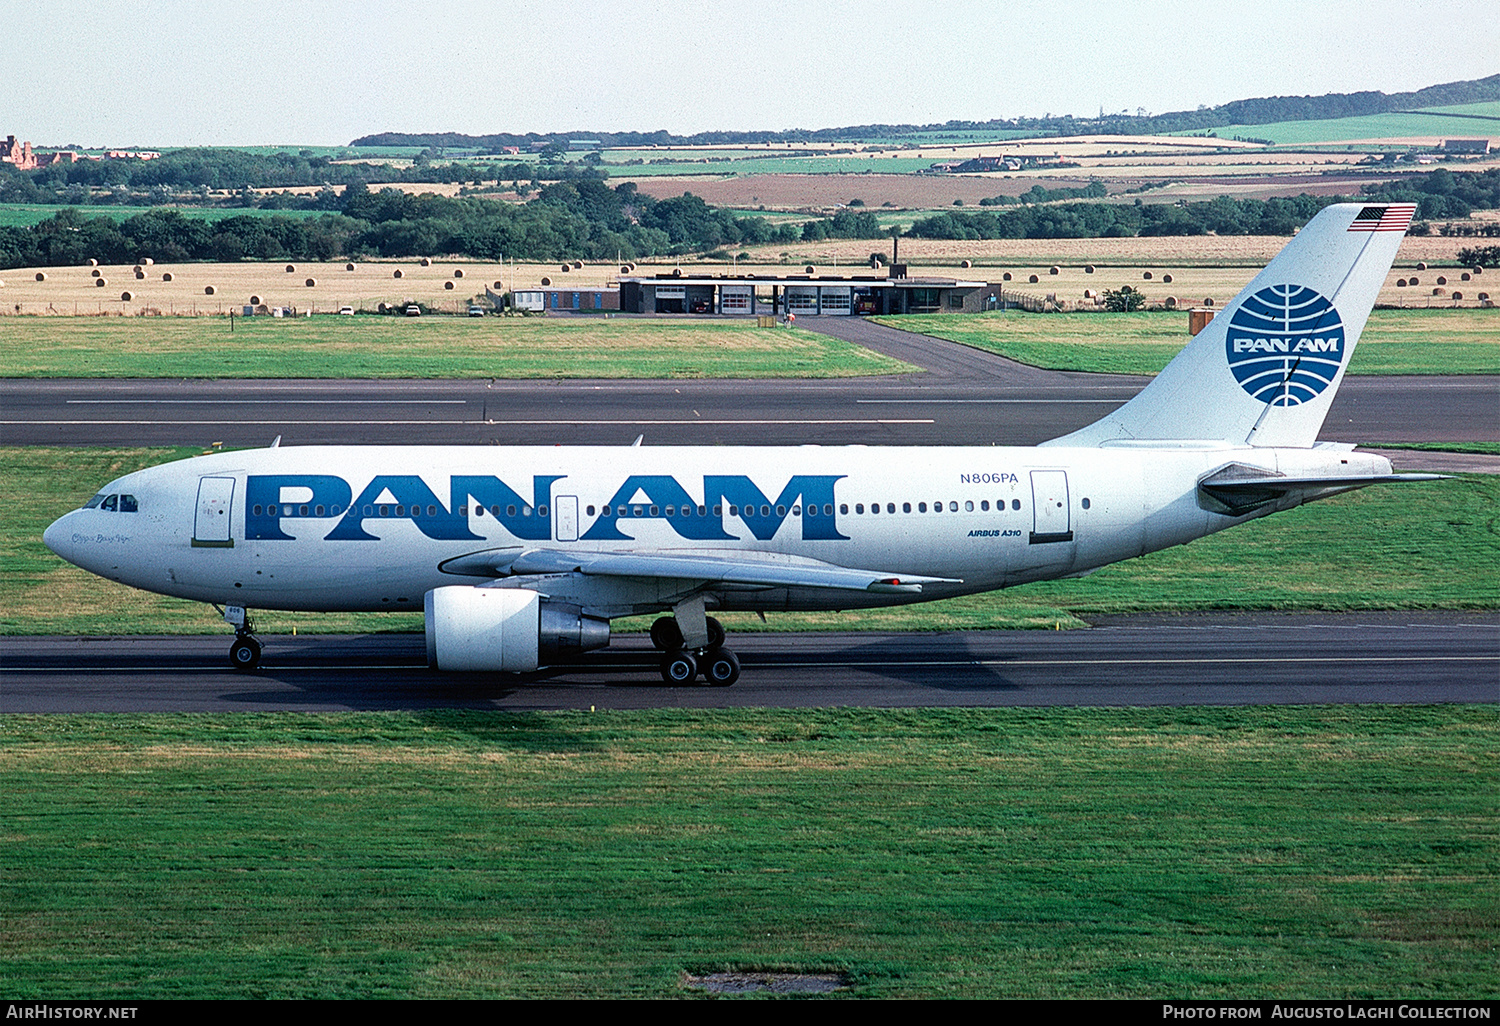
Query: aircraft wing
{"x": 738, "y": 568}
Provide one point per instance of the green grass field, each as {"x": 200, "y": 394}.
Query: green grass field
{"x": 1284, "y": 852}
{"x": 428, "y": 347}
{"x": 1394, "y": 341}
{"x": 1430, "y": 546}
{"x": 24, "y": 215}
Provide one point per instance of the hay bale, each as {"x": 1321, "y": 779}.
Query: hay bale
{"x": 1422, "y": 266}
{"x": 397, "y": 273}
{"x": 1170, "y": 302}
{"x": 147, "y": 261}
{"x": 967, "y": 264}
{"x": 426, "y": 261}
{"x": 1400, "y": 283}
{"x": 1413, "y": 280}
{"x": 458, "y": 272}
{"x": 136, "y": 268}
{"x": 499, "y": 284}
{"x": 140, "y": 275}
{"x": 1088, "y": 268}
{"x": 1457, "y": 295}
{"x": 1054, "y": 270}
{"x": 1088, "y": 293}
{"x": 1167, "y": 278}
{"x": 291, "y": 268}
{"x": 1146, "y": 276}
{"x": 1464, "y": 276}
{"x": 1005, "y": 276}
{"x": 166, "y": 276}
{"x": 1438, "y": 290}
{"x": 255, "y": 301}
{"x": 98, "y": 282}
{"x": 95, "y": 273}
{"x": 546, "y": 282}
{"x": 1033, "y": 279}
{"x": 1209, "y": 301}
{"x": 40, "y": 276}
{"x": 677, "y": 272}
{"x": 1484, "y": 297}
{"x": 1477, "y": 269}
{"x": 126, "y": 297}
{"x": 577, "y": 265}
{"x": 1442, "y": 280}
{"x": 93, "y": 262}
{"x": 310, "y": 282}
{"x": 448, "y": 285}
{"x": 624, "y": 268}
{"x": 208, "y": 290}
{"x": 811, "y": 269}
{"x": 348, "y": 267}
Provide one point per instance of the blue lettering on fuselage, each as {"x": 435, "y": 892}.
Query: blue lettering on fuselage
{"x": 408, "y": 497}
{"x": 764, "y": 516}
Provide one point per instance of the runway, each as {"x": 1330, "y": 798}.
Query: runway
{"x": 1196, "y": 659}
{"x": 965, "y": 397}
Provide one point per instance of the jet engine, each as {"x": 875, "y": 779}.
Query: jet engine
{"x": 508, "y": 629}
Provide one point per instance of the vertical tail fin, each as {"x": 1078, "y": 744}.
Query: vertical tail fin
{"x": 1264, "y": 372}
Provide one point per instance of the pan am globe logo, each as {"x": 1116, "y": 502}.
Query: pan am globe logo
{"x": 1285, "y": 344}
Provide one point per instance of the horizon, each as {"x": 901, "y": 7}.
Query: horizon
{"x": 323, "y": 75}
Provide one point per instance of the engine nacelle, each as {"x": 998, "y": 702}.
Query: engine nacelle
{"x": 506, "y": 629}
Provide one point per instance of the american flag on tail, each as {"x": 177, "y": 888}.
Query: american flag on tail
{"x": 1393, "y": 218}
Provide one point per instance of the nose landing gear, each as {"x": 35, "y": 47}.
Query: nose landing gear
{"x": 719, "y": 666}
{"x": 244, "y": 653}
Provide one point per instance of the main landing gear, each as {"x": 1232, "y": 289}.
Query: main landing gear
{"x": 719, "y": 666}
{"x": 244, "y": 653}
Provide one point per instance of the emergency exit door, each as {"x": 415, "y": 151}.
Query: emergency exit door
{"x": 215, "y": 511}
{"x": 1051, "y": 517}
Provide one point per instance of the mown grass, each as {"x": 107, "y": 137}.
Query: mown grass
{"x": 1430, "y": 546}
{"x": 1394, "y": 341}
{"x": 427, "y": 347}
{"x": 1277, "y": 852}
{"x": 24, "y": 215}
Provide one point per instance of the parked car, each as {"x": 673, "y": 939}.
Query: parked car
{"x": 414, "y": 310}
{"x": 347, "y": 311}
{"x": 476, "y": 311}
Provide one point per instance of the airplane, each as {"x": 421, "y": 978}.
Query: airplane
{"x": 519, "y": 557}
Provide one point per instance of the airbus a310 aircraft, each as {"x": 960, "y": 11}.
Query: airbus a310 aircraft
{"x": 520, "y": 557}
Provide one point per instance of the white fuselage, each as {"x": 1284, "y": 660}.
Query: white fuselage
{"x": 375, "y": 528}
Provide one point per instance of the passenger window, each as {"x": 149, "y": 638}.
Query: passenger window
{"x": 301, "y": 510}
{"x": 890, "y": 507}
{"x": 1015, "y": 503}
{"x": 906, "y": 507}
{"x": 589, "y": 511}
{"x": 319, "y": 510}
{"x": 828, "y": 509}
{"x": 859, "y": 507}
{"x": 780, "y": 511}
{"x": 953, "y": 507}
{"x": 844, "y": 508}
{"x": 921, "y": 507}
{"x": 984, "y": 504}
{"x": 969, "y": 506}
{"x": 541, "y": 511}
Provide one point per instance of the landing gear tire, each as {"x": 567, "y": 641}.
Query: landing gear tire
{"x": 722, "y": 668}
{"x": 244, "y": 654}
{"x": 665, "y": 634}
{"x": 679, "y": 667}
{"x": 715, "y": 632}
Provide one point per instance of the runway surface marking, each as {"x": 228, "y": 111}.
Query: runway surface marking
{"x": 268, "y": 402}
{"x": 648, "y": 661}
{"x": 156, "y": 422}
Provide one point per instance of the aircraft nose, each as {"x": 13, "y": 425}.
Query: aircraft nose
{"x": 58, "y": 537}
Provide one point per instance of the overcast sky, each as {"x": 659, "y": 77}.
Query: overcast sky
{"x": 159, "y": 73}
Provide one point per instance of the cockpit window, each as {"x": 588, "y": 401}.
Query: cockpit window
{"x": 113, "y": 503}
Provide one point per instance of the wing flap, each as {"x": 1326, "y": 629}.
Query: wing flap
{"x": 730, "y": 568}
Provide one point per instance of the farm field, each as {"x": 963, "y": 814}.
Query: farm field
{"x": 1449, "y": 558}
{"x": 1394, "y": 341}
{"x": 427, "y": 347}
{"x": 1202, "y": 267}
{"x": 1282, "y": 852}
